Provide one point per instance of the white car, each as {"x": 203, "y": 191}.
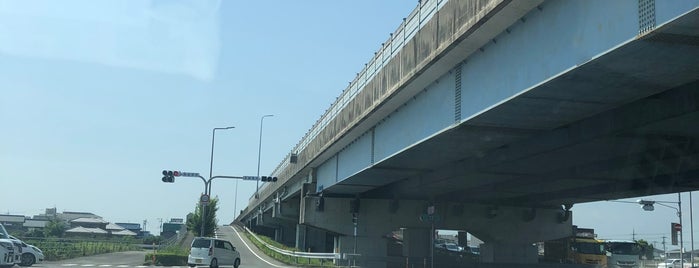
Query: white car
{"x": 212, "y": 252}
{"x": 8, "y": 255}
{"x": 674, "y": 263}
{"x": 30, "y": 254}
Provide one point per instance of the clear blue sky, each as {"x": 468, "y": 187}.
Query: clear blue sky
{"x": 98, "y": 97}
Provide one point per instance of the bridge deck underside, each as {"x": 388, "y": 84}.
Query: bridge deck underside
{"x": 625, "y": 124}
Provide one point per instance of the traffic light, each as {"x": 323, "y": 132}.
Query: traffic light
{"x": 354, "y": 205}
{"x": 675, "y": 228}
{"x": 169, "y": 175}
{"x": 268, "y": 179}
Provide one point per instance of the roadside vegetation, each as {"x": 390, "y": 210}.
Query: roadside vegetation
{"x": 169, "y": 256}
{"x": 176, "y": 255}
{"x": 55, "y": 246}
{"x": 55, "y": 249}
{"x": 194, "y": 222}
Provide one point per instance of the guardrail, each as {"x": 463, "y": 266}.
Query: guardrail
{"x": 310, "y": 255}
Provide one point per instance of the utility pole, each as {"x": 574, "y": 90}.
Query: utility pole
{"x": 664, "y": 251}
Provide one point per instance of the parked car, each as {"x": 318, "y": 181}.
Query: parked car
{"x": 7, "y": 249}
{"x": 212, "y": 252}
{"x": 674, "y": 263}
{"x": 452, "y": 247}
{"x": 30, "y": 254}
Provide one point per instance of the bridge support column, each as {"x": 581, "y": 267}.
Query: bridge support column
{"x": 416, "y": 243}
{"x": 301, "y": 236}
{"x": 509, "y": 252}
{"x": 463, "y": 239}
{"x": 371, "y": 251}
{"x": 509, "y": 232}
{"x": 284, "y": 234}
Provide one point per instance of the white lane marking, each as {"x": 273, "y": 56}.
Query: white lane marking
{"x": 68, "y": 264}
{"x": 106, "y": 265}
{"x": 123, "y": 266}
{"x": 141, "y": 266}
{"x": 251, "y": 251}
{"x": 87, "y": 265}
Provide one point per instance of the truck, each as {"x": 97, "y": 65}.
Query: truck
{"x": 8, "y": 255}
{"x": 623, "y": 254}
{"x": 580, "y": 248}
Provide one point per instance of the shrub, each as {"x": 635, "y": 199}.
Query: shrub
{"x": 167, "y": 259}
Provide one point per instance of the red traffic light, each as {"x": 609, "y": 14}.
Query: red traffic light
{"x": 176, "y": 173}
{"x": 677, "y": 227}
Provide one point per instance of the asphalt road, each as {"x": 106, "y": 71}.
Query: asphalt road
{"x": 250, "y": 256}
{"x": 130, "y": 259}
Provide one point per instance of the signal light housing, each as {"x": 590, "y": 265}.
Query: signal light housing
{"x": 268, "y": 179}
{"x": 169, "y": 175}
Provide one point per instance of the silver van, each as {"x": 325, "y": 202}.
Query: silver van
{"x": 212, "y": 252}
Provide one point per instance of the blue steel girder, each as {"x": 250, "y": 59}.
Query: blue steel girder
{"x": 616, "y": 71}
{"x": 459, "y": 28}
{"x": 616, "y": 116}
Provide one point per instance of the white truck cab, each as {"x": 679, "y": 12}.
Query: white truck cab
{"x": 8, "y": 254}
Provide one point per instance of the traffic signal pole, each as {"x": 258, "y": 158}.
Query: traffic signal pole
{"x": 203, "y": 206}
{"x": 169, "y": 177}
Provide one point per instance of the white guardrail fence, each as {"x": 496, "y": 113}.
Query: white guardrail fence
{"x": 310, "y": 255}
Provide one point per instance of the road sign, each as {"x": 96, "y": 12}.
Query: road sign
{"x": 189, "y": 174}
{"x": 430, "y": 218}
{"x": 204, "y": 199}
{"x": 250, "y": 178}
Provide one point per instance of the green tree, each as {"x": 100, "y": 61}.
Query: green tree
{"x": 194, "y": 221}
{"x": 646, "y": 249}
{"x": 55, "y": 228}
{"x": 35, "y": 233}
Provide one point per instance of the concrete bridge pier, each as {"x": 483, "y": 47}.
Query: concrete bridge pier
{"x": 374, "y": 224}
{"x": 281, "y": 229}
{"x": 509, "y": 233}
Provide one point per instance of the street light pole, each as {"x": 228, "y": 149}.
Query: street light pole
{"x": 207, "y": 188}
{"x": 211, "y": 162}
{"x": 259, "y": 154}
{"x": 679, "y": 214}
{"x": 691, "y": 228}
{"x": 648, "y": 206}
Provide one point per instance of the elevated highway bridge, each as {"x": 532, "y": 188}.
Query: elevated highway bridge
{"x": 499, "y": 115}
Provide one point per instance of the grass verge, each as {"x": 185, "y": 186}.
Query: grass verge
{"x": 300, "y": 261}
{"x": 61, "y": 249}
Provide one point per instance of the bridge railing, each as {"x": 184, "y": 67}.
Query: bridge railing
{"x": 389, "y": 49}
{"x": 428, "y": 29}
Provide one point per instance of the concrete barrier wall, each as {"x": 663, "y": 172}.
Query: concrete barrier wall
{"x": 389, "y": 72}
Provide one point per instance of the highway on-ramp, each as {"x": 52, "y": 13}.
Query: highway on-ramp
{"x": 249, "y": 254}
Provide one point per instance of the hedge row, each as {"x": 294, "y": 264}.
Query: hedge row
{"x": 167, "y": 259}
